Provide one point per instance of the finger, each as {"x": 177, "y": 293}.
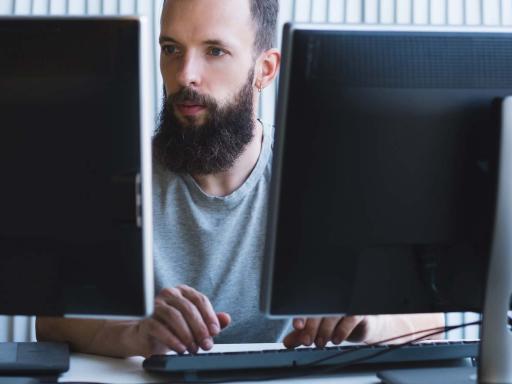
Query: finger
{"x": 192, "y": 317}
{"x": 224, "y": 319}
{"x": 360, "y": 332}
{"x": 326, "y": 330}
{"x": 299, "y": 323}
{"x": 292, "y": 340}
{"x": 162, "y": 335}
{"x": 308, "y": 334}
{"x": 172, "y": 318}
{"x": 204, "y": 306}
{"x": 345, "y": 327}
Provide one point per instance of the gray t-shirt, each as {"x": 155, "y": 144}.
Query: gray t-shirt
{"x": 215, "y": 245}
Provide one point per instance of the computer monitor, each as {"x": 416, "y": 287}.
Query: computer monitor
{"x": 385, "y": 174}
{"x": 75, "y": 196}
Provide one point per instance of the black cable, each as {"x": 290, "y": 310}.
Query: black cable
{"x": 434, "y": 331}
{"x": 393, "y": 347}
{"x": 336, "y": 367}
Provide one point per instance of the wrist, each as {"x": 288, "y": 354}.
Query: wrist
{"x": 130, "y": 340}
{"x": 375, "y": 328}
{"x": 115, "y": 339}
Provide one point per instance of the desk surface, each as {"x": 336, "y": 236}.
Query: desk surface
{"x": 90, "y": 368}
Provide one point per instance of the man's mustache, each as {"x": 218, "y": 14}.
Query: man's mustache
{"x": 188, "y": 95}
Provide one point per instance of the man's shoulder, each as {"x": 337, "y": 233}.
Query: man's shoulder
{"x": 162, "y": 176}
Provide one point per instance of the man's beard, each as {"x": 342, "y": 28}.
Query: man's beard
{"x": 208, "y": 148}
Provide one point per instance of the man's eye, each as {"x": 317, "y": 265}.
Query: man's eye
{"x": 216, "y": 52}
{"x": 170, "y": 49}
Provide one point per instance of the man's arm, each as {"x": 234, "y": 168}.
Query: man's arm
{"x": 368, "y": 329}
{"x": 102, "y": 337}
{"x": 382, "y": 327}
{"x": 183, "y": 320}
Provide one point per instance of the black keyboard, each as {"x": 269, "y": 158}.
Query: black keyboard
{"x": 345, "y": 355}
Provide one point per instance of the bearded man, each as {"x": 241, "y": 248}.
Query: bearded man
{"x": 212, "y": 165}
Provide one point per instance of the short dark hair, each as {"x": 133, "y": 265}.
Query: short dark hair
{"x": 264, "y": 14}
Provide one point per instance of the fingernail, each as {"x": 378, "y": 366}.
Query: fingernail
{"x": 299, "y": 323}
{"x": 320, "y": 343}
{"x": 214, "y": 329}
{"x": 307, "y": 340}
{"x": 207, "y": 343}
{"x": 336, "y": 340}
{"x": 180, "y": 348}
{"x": 193, "y": 348}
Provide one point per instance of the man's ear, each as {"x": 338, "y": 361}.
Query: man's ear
{"x": 267, "y": 67}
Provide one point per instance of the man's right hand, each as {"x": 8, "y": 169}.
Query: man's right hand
{"x": 183, "y": 320}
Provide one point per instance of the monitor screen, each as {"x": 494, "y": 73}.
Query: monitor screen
{"x": 73, "y": 198}
{"x": 385, "y": 170}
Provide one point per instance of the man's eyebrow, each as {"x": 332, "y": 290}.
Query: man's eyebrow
{"x": 166, "y": 39}
{"x": 216, "y": 42}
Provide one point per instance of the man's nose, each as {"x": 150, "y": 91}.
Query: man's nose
{"x": 189, "y": 72}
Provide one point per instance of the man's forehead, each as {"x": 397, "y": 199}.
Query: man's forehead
{"x": 227, "y": 21}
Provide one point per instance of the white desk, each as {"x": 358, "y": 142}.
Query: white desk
{"x": 90, "y": 368}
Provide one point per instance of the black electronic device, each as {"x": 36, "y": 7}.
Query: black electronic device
{"x": 75, "y": 197}
{"x": 391, "y": 177}
{"x": 297, "y": 362}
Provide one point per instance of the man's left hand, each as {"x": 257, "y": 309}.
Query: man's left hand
{"x": 321, "y": 330}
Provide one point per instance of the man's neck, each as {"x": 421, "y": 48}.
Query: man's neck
{"x": 225, "y": 183}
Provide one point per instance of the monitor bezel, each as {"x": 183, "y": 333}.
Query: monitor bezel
{"x": 289, "y": 31}
{"x": 144, "y": 208}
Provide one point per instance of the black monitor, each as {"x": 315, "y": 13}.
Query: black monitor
{"x": 75, "y": 196}
{"x": 385, "y": 175}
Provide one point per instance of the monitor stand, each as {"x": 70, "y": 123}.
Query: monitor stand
{"x": 42, "y": 359}
{"x": 495, "y": 358}
{"x": 496, "y": 346}
{"x": 452, "y": 375}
